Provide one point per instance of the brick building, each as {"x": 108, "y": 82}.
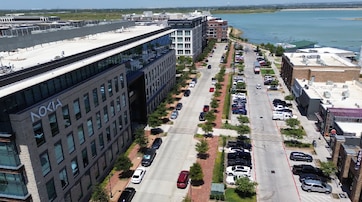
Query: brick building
{"x": 217, "y": 29}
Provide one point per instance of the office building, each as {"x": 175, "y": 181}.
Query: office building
{"x": 217, "y": 29}
{"x": 67, "y": 105}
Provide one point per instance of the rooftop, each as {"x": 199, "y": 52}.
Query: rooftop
{"x": 42, "y": 53}
{"x": 323, "y": 60}
{"x": 350, "y": 128}
{"x": 39, "y": 54}
{"x": 336, "y": 95}
{"x": 321, "y": 50}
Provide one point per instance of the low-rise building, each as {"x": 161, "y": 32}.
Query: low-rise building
{"x": 217, "y": 29}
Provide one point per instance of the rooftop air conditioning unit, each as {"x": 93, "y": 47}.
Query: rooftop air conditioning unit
{"x": 329, "y": 83}
{"x": 345, "y": 86}
{"x": 345, "y": 93}
{"x": 326, "y": 94}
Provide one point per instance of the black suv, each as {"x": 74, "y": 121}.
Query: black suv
{"x": 148, "y": 157}
{"x": 127, "y": 194}
{"x": 179, "y": 106}
{"x": 242, "y": 155}
{"x": 239, "y": 161}
{"x": 202, "y": 116}
{"x": 187, "y": 93}
{"x": 300, "y": 156}
{"x": 239, "y": 143}
{"x": 304, "y": 168}
{"x": 156, "y": 143}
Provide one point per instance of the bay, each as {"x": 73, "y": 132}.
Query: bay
{"x": 333, "y": 28}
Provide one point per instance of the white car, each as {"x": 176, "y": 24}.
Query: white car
{"x": 192, "y": 84}
{"x": 280, "y": 107}
{"x": 138, "y": 175}
{"x": 238, "y": 170}
{"x": 258, "y": 86}
{"x": 231, "y": 179}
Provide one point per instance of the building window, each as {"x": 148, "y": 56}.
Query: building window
{"x": 179, "y": 33}
{"x": 45, "y": 164}
{"x": 121, "y": 80}
{"x": 93, "y": 148}
{"x": 180, "y": 52}
{"x": 52, "y": 194}
{"x": 63, "y": 177}
{"x": 105, "y": 114}
{"x": 118, "y": 104}
{"x": 113, "y": 111}
{"x": 76, "y": 107}
{"x": 120, "y": 122}
{"x": 95, "y": 97}
{"x": 116, "y": 86}
{"x": 58, "y": 150}
{"x": 74, "y": 167}
{"x": 103, "y": 92}
{"x": 187, "y": 39}
{"x": 98, "y": 120}
{"x": 110, "y": 90}
{"x": 66, "y": 116}
{"x": 123, "y": 99}
{"x": 187, "y": 45}
{"x": 85, "y": 157}
{"x": 114, "y": 128}
{"x": 70, "y": 141}
{"x": 180, "y": 46}
{"x": 187, "y": 52}
{"x": 53, "y": 124}
{"x": 39, "y": 133}
{"x": 187, "y": 32}
{"x": 90, "y": 127}
{"x": 179, "y": 39}
{"x": 108, "y": 134}
{"x": 101, "y": 141}
{"x": 86, "y": 103}
{"x": 125, "y": 118}
{"x": 81, "y": 134}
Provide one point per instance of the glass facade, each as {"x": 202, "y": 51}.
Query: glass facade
{"x": 13, "y": 184}
{"x": 9, "y": 154}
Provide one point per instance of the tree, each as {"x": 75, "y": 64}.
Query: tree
{"x": 99, "y": 194}
{"x": 328, "y": 167}
{"x": 207, "y": 127}
{"x": 289, "y": 97}
{"x": 214, "y": 103}
{"x": 123, "y": 163}
{"x": 245, "y": 187}
{"x": 154, "y": 120}
{"x": 202, "y": 147}
{"x": 279, "y": 51}
{"x": 243, "y": 119}
{"x": 292, "y": 123}
{"x": 140, "y": 138}
{"x": 210, "y": 116}
{"x": 243, "y": 129}
{"x": 196, "y": 174}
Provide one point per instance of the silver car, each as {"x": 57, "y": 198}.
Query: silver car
{"x": 316, "y": 186}
{"x": 174, "y": 114}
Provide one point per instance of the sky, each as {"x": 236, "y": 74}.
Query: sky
{"x": 119, "y": 4}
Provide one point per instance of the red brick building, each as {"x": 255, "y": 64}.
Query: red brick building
{"x": 217, "y": 29}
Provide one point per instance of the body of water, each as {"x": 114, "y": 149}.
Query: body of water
{"x": 333, "y": 28}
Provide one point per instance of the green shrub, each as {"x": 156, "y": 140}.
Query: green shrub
{"x": 296, "y": 143}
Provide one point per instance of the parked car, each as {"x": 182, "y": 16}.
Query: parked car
{"x": 316, "y": 186}
{"x": 238, "y": 170}
{"x": 156, "y": 143}
{"x": 239, "y": 143}
{"x": 138, "y": 175}
{"x": 148, "y": 157}
{"x": 209, "y": 66}
{"x": 239, "y": 161}
{"x": 242, "y": 155}
{"x": 305, "y": 168}
{"x": 127, "y": 194}
{"x": 237, "y": 149}
{"x": 194, "y": 80}
{"x": 183, "y": 179}
{"x": 206, "y": 108}
{"x": 174, "y": 114}
{"x": 300, "y": 156}
{"x": 187, "y": 93}
{"x": 308, "y": 176}
{"x": 273, "y": 87}
{"x": 231, "y": 179}
{"x": 155, "y": 131}
{"x": 202, "y": 116}
{"x": 192, "y": 84}
{"x": 212, "y": 89}
{"x": 179, "y": 106}
{"x": 258, "y": 86}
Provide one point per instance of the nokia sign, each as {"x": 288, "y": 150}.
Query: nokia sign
{"x": 45, "y": 109}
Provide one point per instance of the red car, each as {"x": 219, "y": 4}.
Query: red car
{"x": 212, "y": 89}
{"x": 183, "y": 179}
{"x": 206, "y": 108}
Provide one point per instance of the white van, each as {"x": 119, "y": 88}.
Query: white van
{"x": 278, "y": 115}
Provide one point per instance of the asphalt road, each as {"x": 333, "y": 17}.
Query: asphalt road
{"x": 178, "y": 149}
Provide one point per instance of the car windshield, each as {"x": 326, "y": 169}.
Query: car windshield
{"x": 146, "y": 157}
{"x": 136, "y": 176}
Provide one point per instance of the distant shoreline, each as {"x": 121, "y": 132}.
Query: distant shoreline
{"x": 318, "y": 9}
